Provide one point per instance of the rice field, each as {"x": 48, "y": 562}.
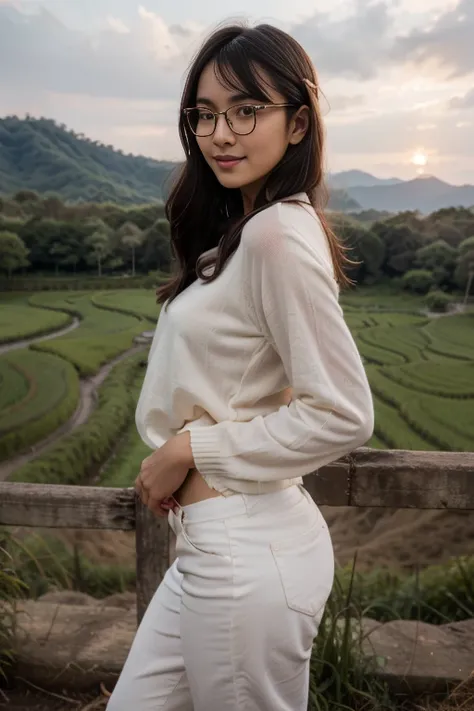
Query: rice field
{"x": 421, "y": 370}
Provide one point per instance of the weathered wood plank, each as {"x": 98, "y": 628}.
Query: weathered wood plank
{"x": 58, "y": 506}
{"x": 367, "y": 477}
{"x": 153, "y": 554}
{"x": 408, "y": 479}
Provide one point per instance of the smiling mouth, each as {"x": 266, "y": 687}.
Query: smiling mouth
{"x": 228, "y": 162}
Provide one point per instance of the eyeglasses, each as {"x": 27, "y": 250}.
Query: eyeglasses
{"x": 241, "y": 119}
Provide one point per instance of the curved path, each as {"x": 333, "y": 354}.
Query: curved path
{"x": 7, "y": 347}
{"x": 87, "y": 403}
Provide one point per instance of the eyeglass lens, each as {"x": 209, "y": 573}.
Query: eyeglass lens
{"x": 241, "y": 119}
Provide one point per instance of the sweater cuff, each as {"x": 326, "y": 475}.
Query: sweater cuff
{"x": 206, "y": 448}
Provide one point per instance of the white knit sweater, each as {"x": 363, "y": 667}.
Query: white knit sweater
{"x": 260, "y": 365}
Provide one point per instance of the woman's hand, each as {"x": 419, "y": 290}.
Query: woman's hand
{"x": 163, "y": 472}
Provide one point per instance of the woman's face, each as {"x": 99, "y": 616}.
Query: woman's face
{"x": 258, "y": 152}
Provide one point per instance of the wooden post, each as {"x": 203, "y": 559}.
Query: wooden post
{"x": 152, "y": 552}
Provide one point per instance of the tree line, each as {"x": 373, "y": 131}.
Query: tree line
{"x": 44, "y": 235}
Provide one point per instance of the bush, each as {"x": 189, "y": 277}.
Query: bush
{"x": 437, "y": 594}
{"x": 437, "y": 300}
{"x": 46, "y": 563}
{"x": 418, "y": 281}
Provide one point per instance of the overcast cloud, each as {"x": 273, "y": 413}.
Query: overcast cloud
{"x": 397, "y": 77}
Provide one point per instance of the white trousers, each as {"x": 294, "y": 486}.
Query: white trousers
{"x": 232, "y": 624}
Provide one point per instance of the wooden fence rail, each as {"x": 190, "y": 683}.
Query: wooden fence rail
{"x": 366, "y": 477}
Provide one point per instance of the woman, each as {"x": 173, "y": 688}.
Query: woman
{"x": 253, "y": 381}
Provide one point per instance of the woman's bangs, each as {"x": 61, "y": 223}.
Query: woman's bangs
{"x": 238, "y": 73}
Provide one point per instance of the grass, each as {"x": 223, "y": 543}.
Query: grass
{"x": 137, "y": 302}
{"x": 101, "y": 336}
{"x": 123, "y": 467}
{"x": 39, "y": 392}
{"x": 78, "y": 454}
{"x": 18, "y": 321}
{"x": 10, "y": 589}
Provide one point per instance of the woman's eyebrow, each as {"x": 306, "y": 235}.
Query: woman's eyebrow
{"x": 234, "y": 97}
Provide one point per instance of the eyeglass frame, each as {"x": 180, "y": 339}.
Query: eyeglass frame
{"x": 259, "y": 107}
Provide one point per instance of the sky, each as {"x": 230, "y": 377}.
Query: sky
{"x": 397, "y": 76}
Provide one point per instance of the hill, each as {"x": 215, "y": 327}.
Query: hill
{"x": 41, "y": 155}
{"x": 425, "y": 193}
{"x": 358, "y": 178}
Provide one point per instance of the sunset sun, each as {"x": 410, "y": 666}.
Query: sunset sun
{"x": 420, "y": 159}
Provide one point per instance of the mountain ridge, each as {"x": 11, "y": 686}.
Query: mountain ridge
{"x": 43, "y": 155}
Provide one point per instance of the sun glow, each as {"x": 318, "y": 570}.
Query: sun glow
{"x": 420, "y": 159}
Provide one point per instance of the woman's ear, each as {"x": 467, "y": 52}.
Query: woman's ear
{"x": 299, "y": 125}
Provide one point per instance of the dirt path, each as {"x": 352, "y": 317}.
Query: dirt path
{"x": 7, "y": 347}
{"x": 456, "y": 309}
{"x": 87, "y": 402}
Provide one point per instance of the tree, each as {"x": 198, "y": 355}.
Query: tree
{"x": 418, "y": 281}
{"x": 131, "y": 236}
{"x": 13, "y": 253}
{"x": 99, "y": 247}
{"x": 439, "y": 258}
{"x": 465, "y": 268}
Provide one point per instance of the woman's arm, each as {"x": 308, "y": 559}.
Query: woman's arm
{"x": 293, "y": 299}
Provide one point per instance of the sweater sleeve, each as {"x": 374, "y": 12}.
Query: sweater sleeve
{"x": 292, "y": 298}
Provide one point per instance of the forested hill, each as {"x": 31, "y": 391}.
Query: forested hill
{"x": 41, "y": 155}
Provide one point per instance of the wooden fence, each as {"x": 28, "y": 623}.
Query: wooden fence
{"x": 366, "y": 477}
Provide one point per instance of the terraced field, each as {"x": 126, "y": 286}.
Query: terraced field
{"x": 19, "y": 320}
{"x": 421, "y": 371}
{"x": 38, "y": 392}
{"x": 101, "y": 336}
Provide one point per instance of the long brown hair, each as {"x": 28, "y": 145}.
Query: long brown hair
{"x": 203, "y": 215}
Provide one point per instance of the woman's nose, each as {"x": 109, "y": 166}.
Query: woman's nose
{"x": 223, "y": 133}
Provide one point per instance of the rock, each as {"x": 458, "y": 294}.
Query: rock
{"x": 125, "y": 600}
{"x": 76, "y": 646}
{"x": 422, "y": 658}
{"x": 61, "y": 646}
{"x": 68, "y": 597}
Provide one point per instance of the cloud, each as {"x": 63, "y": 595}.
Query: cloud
{"x": 463, "y": 102}
{"x": 445, "y": 44}
{"x": 118, "y": 25}
{"x": 143, "y": 59}
{"x": 341, "y": 102}
{"x": 350, "y": 46}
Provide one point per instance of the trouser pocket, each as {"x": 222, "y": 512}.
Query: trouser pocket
{"x": 306, "y": 567}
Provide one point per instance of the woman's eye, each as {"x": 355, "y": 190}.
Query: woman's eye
{"x": 246, "y": 111}
{"x": 205, "y": 115}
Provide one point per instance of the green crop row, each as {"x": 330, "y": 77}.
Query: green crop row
{"x": 15, "y": 386}
{"x": 138, "y": 303}
{"x": 42, "y": 394}
{"x": 435, "y": 378}
{"x": 123, "y": 467}
{"x": 452, "y": 336}
{"x": 391, "y": 428}
{"x": 101, "y": 336}
{"x": 80, "y": 453}
{"x": 403, "y": 341}
{"x": 18, "y": 321}
{"x": 446, "y": 423}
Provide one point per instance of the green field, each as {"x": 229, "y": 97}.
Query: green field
{"x": 137, "y": 302}
{"x": 421, "y": 370}
{"x": 101, "y": 335}
{"x": 18, "y": 321}
{"x": 38, "y": 393}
